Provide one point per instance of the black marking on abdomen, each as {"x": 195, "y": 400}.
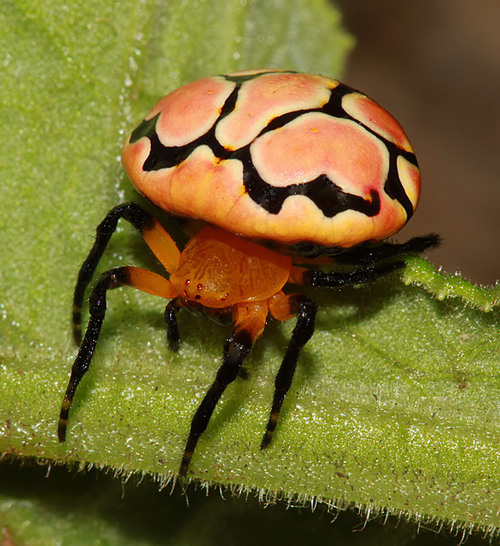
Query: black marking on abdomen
{"x": 393, "y": 186}
{"x": 166, "y": 157}
{"x": 324, "y": 193}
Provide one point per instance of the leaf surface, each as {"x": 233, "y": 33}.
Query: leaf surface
{"x": 395, "y": 402}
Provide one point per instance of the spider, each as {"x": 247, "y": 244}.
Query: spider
{"x": 318, "y": 178}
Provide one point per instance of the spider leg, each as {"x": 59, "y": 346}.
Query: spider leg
{"x": 144, "y": 280}
{"x": 366, "y": 255}
{"x": 151, "y": 230}
{"x": 335, "y": 279}
{"x": 250, "y": 322}
{"x": 370, "y": 258}
{"x": 173, "y": 336}
{"x": 306, "y": 310}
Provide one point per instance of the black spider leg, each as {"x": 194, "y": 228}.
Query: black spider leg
{"x": 300, "y": 336}
{"x": 320, "y": 279}
{"x": 236, "y": 348}
{"x": 133, "y": 213}
{"x": 97, "y": 307}
{"x": 173, "y": 336}
{"x": 369, "y": 254}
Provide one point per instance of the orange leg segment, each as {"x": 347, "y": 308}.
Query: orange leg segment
{"x": 162, "y": 245}
{"x": 283, "y": 307}
{"x": 250, "y": 317}
{"x": 147, "y": 281}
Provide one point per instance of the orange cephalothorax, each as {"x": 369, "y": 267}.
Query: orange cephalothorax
{"x": 218, "y": 269}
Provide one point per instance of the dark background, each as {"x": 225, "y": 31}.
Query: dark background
{"x": 436, "y": 67}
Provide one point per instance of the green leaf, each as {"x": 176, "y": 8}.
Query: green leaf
{"x": 395, "y": 403}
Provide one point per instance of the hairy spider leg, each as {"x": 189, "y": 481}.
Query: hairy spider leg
{"x": 337, "y": 279}
{"x": 250, "y": 320}
{"x": 154, "y": 234}
{"x": 375, "y": 262}
{"x": 173, "y": 336}
{"x": 370, "y": 254}
{"x": 283, "y": 307}
{"x": 138, "y": 278}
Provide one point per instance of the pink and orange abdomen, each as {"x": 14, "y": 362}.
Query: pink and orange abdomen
{"x": 277, "y": 155}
